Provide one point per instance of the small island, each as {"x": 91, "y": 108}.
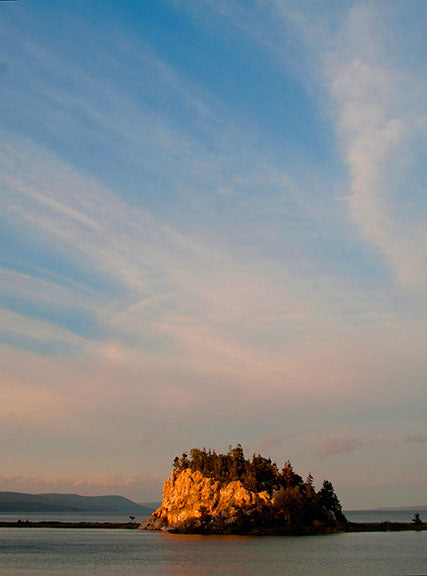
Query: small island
{"x": 210, "y": 493}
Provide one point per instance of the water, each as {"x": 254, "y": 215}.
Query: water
{"x": 66, "y": 552}
{"x": 383, "y": 515}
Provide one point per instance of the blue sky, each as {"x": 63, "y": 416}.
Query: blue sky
{"x": 213, "y": 231}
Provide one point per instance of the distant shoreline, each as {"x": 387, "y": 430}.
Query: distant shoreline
{"x": 351, "y": 527}
{"x": 58, "y": 524}
{"x": 384, "y": 526}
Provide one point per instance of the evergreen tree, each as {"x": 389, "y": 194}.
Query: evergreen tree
{"x": 289, "y": 478}
{"x": 329, "y": 500}
{"x": 417, "y": 520}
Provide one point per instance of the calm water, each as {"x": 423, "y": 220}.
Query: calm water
{"x": 54, "y": 552}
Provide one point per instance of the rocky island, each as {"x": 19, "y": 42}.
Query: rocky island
{"x": 210, "y": 493}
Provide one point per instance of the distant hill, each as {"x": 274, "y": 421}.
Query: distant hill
{"x": 22, "y": 502}
{"x": 151, "y": 505}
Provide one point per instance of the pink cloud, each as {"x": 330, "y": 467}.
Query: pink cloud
{"x": 268, "y": 442}
{"x": 419, "y": 438}
{"x": 331, "y": 446}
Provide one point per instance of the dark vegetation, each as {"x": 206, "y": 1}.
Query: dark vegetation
{"x": 57, "y": 524}
{"x": 385, "y": 526}
{"x": 297, "y": 504}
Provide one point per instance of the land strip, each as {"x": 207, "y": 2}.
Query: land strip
{"x": 350, "y": 527}
{"x": 56, "y": 524}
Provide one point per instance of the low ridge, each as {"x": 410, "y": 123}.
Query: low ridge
{"x": 22, "y": 502}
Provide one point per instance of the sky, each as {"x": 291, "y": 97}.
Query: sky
{"x": 213, "y": 230}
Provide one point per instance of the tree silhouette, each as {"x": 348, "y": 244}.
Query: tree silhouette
{"x": 417, "y": 520}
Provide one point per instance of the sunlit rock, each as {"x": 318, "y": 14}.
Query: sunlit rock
{"x": 192, "y": 502}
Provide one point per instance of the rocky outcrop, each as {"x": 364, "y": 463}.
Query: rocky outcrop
{"x": 194, "y": 503}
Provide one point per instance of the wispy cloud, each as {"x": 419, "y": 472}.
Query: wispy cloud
{"x": 332, "y": 446}
{"x": 378, "y": 121}
{"x": 36, "y": 329}
{"x": 269, "y": 442}
{"x": 47, "y": 292}
{"x": 168, "y": 284}
{"x": 416, "y": 438}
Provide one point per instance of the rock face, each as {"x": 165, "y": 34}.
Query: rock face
{"x": 194, "y": 503}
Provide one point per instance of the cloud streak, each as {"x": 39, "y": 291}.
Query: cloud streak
{"x": 334, "y": 446}
{"x": 416, "y": 438}
{"x": 169, "y": 285}
{"x": 35, "y": 329}
{"x": 378, "y": 122}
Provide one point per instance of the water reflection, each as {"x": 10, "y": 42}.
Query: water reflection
{"x": 210, "y": 555}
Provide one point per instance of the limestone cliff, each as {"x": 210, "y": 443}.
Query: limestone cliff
{"x": 194, "y": 503}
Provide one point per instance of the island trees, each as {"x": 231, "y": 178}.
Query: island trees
{"x": 293, "y": 504}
